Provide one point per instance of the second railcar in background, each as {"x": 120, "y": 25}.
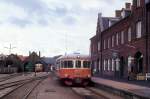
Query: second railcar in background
{"x": 74, "y": 69}
{"x": 39, "y": 67}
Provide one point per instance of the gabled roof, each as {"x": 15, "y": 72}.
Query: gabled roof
{"x": 105, "y": 22}
{"x": 48, "y": 60}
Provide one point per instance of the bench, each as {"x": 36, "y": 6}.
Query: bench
{"x": 147, "y": 76}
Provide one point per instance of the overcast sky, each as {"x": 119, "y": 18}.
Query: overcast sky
{"x": 51, "y": 26}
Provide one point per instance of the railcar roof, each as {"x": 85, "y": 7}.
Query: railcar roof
{"x": 74, "y": 56}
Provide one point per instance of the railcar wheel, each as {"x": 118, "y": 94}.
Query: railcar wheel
{"x": 68, "y": 82}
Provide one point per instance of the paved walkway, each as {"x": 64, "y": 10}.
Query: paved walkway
{"x": 122, "y": 86}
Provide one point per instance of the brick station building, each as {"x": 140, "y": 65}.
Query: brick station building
{"x": 121, "y": 45}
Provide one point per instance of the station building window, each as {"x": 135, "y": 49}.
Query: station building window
{"x": 129, "y": 34}
{"x": 99, "y": 45}
{"x": 122, "y": 37}
{"x": 112, "y": 64}
{"x": 108, "y": 65}
{"x": 113, "y": 39}
{"x": 108, "y": 42}
{"x": 138, "y": 3}
{"x": 117, "y": 39}
{"x": 99, "y": 65}
{"x": 138, "y": 29}
{"x": 104, "y": 65}
{"x": 104, "y": 44}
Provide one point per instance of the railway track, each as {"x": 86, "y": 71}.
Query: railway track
{"x": 94, "y": 93}
{"x": 9, "y": 77}
{"x": 19, "y": 89}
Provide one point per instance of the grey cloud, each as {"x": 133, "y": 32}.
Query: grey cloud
{"x": 69, "y": 21}
{"x": 19, "y": 22}
{"x": 60, "y": 11}
{"x": 43, "y": 22}
{"x": 31, "y": 6}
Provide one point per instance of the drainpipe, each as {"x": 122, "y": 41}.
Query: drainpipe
{"x": 146, "y": 23}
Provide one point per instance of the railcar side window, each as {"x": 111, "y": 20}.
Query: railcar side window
{"x": 78, "y": 64}
{"x": 62, "y": 64}
{"x": 68, "y": 64}
{"x": 86, "y": 64}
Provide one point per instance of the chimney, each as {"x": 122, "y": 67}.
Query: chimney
{"x": 29, "y": 53}
{"x": 128, "y": 6}
{"x": 118, "y": 13}
{"x": 39, "y": 54}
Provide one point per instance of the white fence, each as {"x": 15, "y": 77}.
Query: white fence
{"x": 147, "y": 76}
{"x": 8, "y": 70}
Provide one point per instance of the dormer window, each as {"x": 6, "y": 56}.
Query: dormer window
{"x": 123, "y": 14}
{"x": 138, "y": 2}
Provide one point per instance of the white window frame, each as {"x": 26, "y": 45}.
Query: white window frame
{"x": 95, "y": 66}
{"x": 99, "y": 45}
{"x": 117, "y": 39}
{"x": 139, "y": 29}
{"x": 113, "y": 39}
{"x": 112, "y": 64}
{"x": 117, "y": 64}
{"x": 108, "y": 65}
{"x": 138, "y": 2}
{"x": 99, "y": 65}
{"x": 104, "y": 64}
{"x": 104, "y": 44}
{"x": 123, "y": 14}
{"x": 129, "y": 34}
{"x": 108, "y": 42}
{"x": 122, "y": 37}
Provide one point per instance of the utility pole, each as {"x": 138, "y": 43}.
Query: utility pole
{"x": 66, "y": 36}
{"x": 10, "y": 48}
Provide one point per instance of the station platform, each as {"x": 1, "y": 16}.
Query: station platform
{"x": 127, "y": 90}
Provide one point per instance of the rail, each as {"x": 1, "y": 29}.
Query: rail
{"x": 19, "y": 84}
{"x": 31, "y": 90}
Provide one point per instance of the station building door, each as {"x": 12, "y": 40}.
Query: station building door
{"x": 122, "y": 63}
{"x": 138, "y": 62}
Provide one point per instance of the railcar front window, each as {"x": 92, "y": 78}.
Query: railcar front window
{"x": 70, "y": 64}
{"x": 86, "y": 64}
{"x": 78, "y": 64}
{"x": 65, "y": 64}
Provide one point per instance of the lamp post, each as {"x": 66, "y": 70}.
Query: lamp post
{"x": 10, "y": 48}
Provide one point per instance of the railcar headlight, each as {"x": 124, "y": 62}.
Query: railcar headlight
{"x": 66, "y": 75}
{"x": 89, "y": 76}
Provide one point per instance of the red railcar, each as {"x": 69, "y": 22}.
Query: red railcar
{"x": 74, "y": 69}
